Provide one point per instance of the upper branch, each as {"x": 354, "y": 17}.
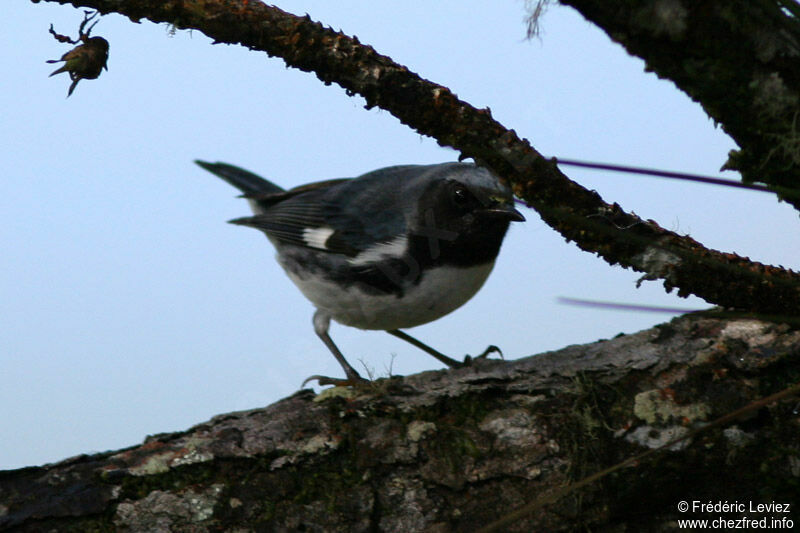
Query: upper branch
{"x": 740, "y": 59}
{"x": 578, "y": 214}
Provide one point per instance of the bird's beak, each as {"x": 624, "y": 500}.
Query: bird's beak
{"x": 504, "y": 210}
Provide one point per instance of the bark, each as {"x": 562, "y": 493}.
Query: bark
{"x": 578, "y": 214}
{"x": 455, "y": 450}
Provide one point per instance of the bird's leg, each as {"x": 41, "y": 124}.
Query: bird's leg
{"x": 449, "y": 361}
{"x": 322, "y": 322}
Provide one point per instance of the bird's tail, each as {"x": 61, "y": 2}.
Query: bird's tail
{"x": 242, "y": 179}
{"x": 63, "y": 68}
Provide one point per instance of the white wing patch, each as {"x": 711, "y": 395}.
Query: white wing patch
{"x": 394, "y": 248}
{"x": 317, "y": 237}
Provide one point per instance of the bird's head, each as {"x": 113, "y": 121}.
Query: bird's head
{"x": 467, "y": 209}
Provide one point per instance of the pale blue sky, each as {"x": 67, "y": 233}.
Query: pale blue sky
{"x": 129, "y": 307}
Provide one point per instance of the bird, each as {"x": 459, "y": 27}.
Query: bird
{"x": 388, "y": 250}
{"x": 84, "y": 62}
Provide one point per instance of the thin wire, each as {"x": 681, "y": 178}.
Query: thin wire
{"x": 625, "y": 307}
{"x": 662, "y": 174}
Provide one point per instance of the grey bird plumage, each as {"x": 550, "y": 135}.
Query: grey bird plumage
{"x": 394, "y": 248}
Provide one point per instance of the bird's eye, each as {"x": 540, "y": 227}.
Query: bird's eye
{"x": 461, "y": 196}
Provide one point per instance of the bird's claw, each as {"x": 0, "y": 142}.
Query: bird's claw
{"x": 485, "y": 354}
{"x": 352, "y": 381}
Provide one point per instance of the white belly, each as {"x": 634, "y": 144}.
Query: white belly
{"x": 439, "y": 292}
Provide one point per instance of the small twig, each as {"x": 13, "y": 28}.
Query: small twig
{"x": 87, "y": 16}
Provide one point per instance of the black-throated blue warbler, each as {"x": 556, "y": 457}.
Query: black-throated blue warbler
{"x": 392, "y": 249}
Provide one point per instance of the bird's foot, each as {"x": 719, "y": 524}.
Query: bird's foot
{"x": 352, "y": 381}
{"x": 468, "y": 359}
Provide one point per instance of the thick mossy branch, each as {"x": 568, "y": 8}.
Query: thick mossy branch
{"x": 455, "y": 451}
{"x": 740, "y": 59}
{"x": 578, "y": 214}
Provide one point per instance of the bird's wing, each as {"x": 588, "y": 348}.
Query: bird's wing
{"x": 333, "y": 216}
{"x": 267, "y": 197}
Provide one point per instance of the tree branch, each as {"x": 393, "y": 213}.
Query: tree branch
{"x": 453, "y": 451}
{"x": 740, "y": 59}
{"x": 578, "y": 214}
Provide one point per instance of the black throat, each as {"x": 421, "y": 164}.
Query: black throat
{"x": 477, "y": 245}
